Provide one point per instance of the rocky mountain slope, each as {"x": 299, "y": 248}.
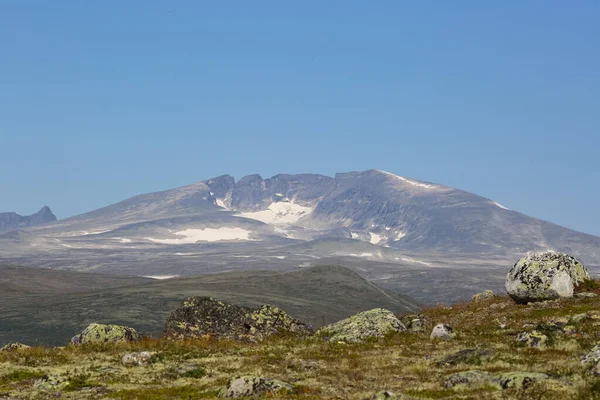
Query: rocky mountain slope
{"x": 385, "y": 226}
{"x": 11, "y": 221}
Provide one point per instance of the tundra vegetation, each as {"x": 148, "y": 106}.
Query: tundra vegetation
{"x": 499, "y": 349}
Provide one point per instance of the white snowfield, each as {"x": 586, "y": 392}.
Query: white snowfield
{"x": 279, "y": 213}
{"x": 400, "y": 235}
{"x": 190, "y": 236}
{"x": 221, "y": 204}
{"x": 375, "y": 238}
{"x": 417, "y": 184}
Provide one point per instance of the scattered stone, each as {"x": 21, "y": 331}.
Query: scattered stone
{"x": 416, "y": 323}
{"x": 368, "y": 324}
{"x": 545, "y": 276}
{"x": 442, "y": 331}
{"x": 139, "y": 359}
{"x": 578, "y": 318}
{"x": 502, "y": 323}
{"x": 485, "y": 295}
{"x": 507, "y": 380}
{"x": 534, "y": 339}
{"x": 519, "y": 380}
{"x": 50, "y": 383}
{"x": 15, "y": 347}
{"x": 99, "y": 334}
{"x": 386, "y": 394}
{"x": 468, "y": 378}
{"x": 204, "y": 316}
{"x": 253, "y": 386}
{"x": 468, "y": 356}
{"x": 586, "y": 295}
{"x": 593, "y": 356}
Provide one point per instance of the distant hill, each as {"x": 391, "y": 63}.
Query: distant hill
{"x": 70, "y": 300}
{"x": 10, "y": 221}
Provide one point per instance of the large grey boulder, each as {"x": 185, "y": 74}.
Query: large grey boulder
{"x": 102, "y": 334}
{"x": 545, "y": 276}
{"x": 374, "y": 323}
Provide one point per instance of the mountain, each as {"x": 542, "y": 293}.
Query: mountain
{"x": 11, "y": 221}
{"x": 47, "y": 307}
{"x": 430, "y": 241}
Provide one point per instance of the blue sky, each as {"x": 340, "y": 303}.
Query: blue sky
{"x": 100, "y": 101}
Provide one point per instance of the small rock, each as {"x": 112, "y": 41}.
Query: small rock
{"x": 593, "y": 356}
{"x": 140, "y": 359}
{"x": 368, "y": 324}
{"x": 49, "y": 383}
{"x": 386, "y": 394}
{"x": 442, "y": 331}
{"x": 578, "y": 318}
{"x": 519, "y": 380}
{"x": 585, "y": 295}
{"x": 485, "y": 295}
{"x": 253, "y": 386}
{"x": 468, "y": 378}
{"x": 534, "y": 339}
{"x": 468, "y": 356}
{"x": 15, "y": 347}
{"x": 100, "y": 334}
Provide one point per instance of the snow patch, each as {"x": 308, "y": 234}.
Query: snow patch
{"x": 221, "y": 203}
{"x": 400, "y": 235}
{"x": 375, "y": 238}
{"x": 500, "y": 205}
{"x": 279, "y": 213}
{"x": 123, "y": 240}
{"x": 161, "y": 277}
{"x": 410, "y": 260}
{"x": 354, "y": 235}
{"x": 414, "y": 183}
{"x": 280, "y": 257}
{"x": 361, "y": 255}
{"x": 191, "y": 236}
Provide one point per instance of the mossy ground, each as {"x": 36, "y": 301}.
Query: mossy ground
{"x": 402, "y": 362}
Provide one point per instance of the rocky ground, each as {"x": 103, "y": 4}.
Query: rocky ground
{"x": 500, "y": 350}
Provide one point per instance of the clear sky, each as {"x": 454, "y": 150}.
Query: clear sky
{"x": 103, "y": 100}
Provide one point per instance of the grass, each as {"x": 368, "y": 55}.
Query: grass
{"x": 402, "y": 363}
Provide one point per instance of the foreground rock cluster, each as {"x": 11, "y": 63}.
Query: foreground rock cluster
{"x": 494, "y": 347}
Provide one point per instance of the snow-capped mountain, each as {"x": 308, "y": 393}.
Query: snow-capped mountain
{"x": 391, "y": 228}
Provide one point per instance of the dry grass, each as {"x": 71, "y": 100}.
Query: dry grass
{"x": 402, "y": 363}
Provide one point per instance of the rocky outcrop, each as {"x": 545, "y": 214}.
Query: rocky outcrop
{"x": 442, "y": 331}
{"x": 100, "y": 334}
{"x": 545, "y": 276}
{"x": 204, "y": 316}
{"x": 253, "y": 386}
{"x": 416, "y": 323}
{"x": 374, "y": 323}
{"x": 534, "y": 339}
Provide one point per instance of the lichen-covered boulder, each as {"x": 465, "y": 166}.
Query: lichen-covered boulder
{"x": 100, "y": 334}
{"x": 442, "y": 331}
{"x": 534, "y": 339}
{"x": 506, "y": 380}
{"x": 544, "y": 276}
{"x": 207, "y": 317}
{"x": 138, "y": 359}
{"x": 374, "y": 323}
{"x": 485, "y": 295}
{"x": 253, "y": 386}
{"x": 15, "y": 347}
